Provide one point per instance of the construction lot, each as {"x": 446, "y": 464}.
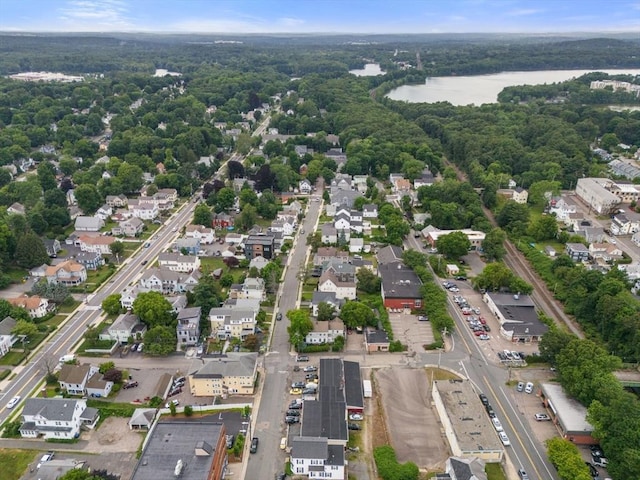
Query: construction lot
{"x": 412, "y": 424}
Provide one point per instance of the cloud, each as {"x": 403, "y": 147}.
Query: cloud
{"x": 291, "y": 22}
{"x": 94, "y": 13}
{"x": 522, "y": 12}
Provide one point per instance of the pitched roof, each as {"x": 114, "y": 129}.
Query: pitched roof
{"x": 30, "y": 303}
{"x": 399, "y": 281}
{"x": 310, "y": 447}
{"x": 389, "y": 254}
{"x": 229, "y": 365}
{"x": 97, "y": 240}
{"x": 70, "y": 373}
{"x": 7, "y": 325}
{"x": 60, "y": 409}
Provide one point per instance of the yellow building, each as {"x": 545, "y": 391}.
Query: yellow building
{"x": 231, "y": 374}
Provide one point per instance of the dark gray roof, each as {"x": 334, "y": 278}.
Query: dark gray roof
{"x": 399, "y": 281}
{"x": 60, "y": 409}
{"x": 324, "y": 419}
{"x": 7, "y": 325}
{"x": 376, "y": 336}
{"x": 259, "y": 240}
{"x": 230, "y": 365}
{"x": 176, "y": 440}
{"x": 389, "y": 254}
{"x": 336, "y": 455}
{"x": 508, "y": 299}
{"x": 353, "y": 385}
{"x": 193, "y": 312}
{"x": 310, "y": 447}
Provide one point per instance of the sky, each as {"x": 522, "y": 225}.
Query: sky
{"x": 321, "y": 16}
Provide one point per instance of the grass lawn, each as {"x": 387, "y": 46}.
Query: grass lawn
{"x": 12, "y": 358}
{"x": 68, "y": 308}
{"x": 16, "y": 274}
{"x": 209, "y": 264}
{"x": 15, "y": 462}
{"x": 494, "y": 471}
{"x": 56, "y": 320}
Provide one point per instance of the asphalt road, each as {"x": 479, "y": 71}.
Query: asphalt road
{"x": 278, "y": 363}
{"x": 525, "y": 451}
{"x": 89, "y": 313}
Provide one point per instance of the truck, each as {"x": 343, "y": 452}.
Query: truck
{"x": 366, "y": 388}
{"x": 70, "y": 357}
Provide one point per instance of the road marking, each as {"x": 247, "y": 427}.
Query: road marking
{"x": 19, "y": 392}
{"x": 506, "y": 417}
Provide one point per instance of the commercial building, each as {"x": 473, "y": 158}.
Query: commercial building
{"x": 465, "y": 422}
{"x": 594, "y": 193}
{"x": 519, "y": 321}
{"x": 568, "y": 414}
{"x": 401, "y": 286}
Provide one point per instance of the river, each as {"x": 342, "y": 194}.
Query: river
{"x": 479, "y": 89}
{"x": 369, "y": 70}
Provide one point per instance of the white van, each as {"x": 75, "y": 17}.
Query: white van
{"x": 283, "y": 443}
{"x": 529, "y": 388}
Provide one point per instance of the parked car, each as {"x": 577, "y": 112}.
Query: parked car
{"x": 302, "y": 358}
{"x": 354, "y": 426}
{"x": 423, "y": 318}
{"x": 484, "y": 336}
{"x": 497, "y": 425}
{"x": 598, "y": 460}
{"x": 254, "y": 445}
{"x": 593, "y": 471}
{"x": 130, "y": 385}
{"x": 293, "y": 413}
{"x": 520, "y": 386}
{"x": 279, "y": 316}
{"x": 229, "y": 440}
{"x": 309, "y": 391}
{"x": 484, "y": 399}
{"x": 522, "y": 474}
{"x": 597, "y": 450}
{"x": 295, "y": 391}
{"x": 174, "y": 402}
{"x": 13, "y": 402}
{"x": 529, "y": 387}
{"x": 356, "y": 417}
{"x": 45, "y": 458}
{"x": 281, "y": 476}
{"x": 290, "y": 419}
{"x": 296, "y": 404}
{"x": 140, "y": 347}
{"x": 542, "y": 417}
{"x": 504, "y": 439}
{"x": 298, "y": 385}
{"x": 310, "y": 368}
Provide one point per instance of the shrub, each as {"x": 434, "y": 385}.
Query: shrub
{"x": 188, "y": 410}
{"x": 397, "y": 346}
{"x": 390, "y": 469}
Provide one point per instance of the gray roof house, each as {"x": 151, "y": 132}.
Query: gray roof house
{"x": 188, "y": 327}
{"x": 56, "y": 418}
{"x": 465, "y": 468}
{"x": 88, "y": 224}
{"x": 314, "y": 456}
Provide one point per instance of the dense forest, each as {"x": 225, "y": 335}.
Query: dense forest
{"x": 542, "y": 137}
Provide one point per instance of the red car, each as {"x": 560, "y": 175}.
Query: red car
{"x": 477, "y": 333}
{"x": 483, "y": 321}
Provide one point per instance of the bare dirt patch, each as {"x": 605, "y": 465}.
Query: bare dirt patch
{"x": 411, "y": 422}
{"x": 113, "y": 435}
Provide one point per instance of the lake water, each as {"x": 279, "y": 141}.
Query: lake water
{"x": 369, "y": 70}
{"x": 479, "y": 89}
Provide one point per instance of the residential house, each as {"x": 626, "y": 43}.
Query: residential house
{"x": 369, "y": 210}
{"x": 325, "y": 297}
{"x": 259, "y": 263}
{"x": 315, "y": 458}
{"x": 104, "y": 212}
{"x": 605, "y": 251}
{"x": 179, "y": 263}
{"x": 131, "y": 227}
{"x": 222, "y": 220}
{"x": 343, "y": 198}
{"x": 426, "y": 179}
{"x": 326, "y": 331}
{"x": 125, "y": 327}
{"x": 7, "y": 338}
{"x": 305, "y": 187}
{"x": 625, "y": 223}
{"x": 71, "y": 198}
{"x": 188, "y": 327}
{"x": 16, "y": 209}
{"x": 345, "y": 272}
{"x": 128, "y": 295}
{"x": 328, "y": 233}
{"x": 635, "y": 238}
{"x": 88, "y": 224}
{"x": 230, "y": 374}
{"x": 74, "y": 212}
{"x": 178, "y": 302}
{"x": 549, "y": 250}
{"x": 68, "y": 273}
{"x": 259, "y": 246}
{"x": 563, "y": 206}
{"x": 53, "y": 246}
{"x": 520, "y": 195}
{"x": 83, "y": 380}
{"x": 96, "y": 244}
{"x": 356, "y": 245}
{"x": 401, "y": 186}
{"x": 232, "y": 322}
{"x": 90, "y": 260}
{"x": 577, "y": 251}
{"x": 330, "y": 254}
{"x": 38, "y": 272}
{"x": 401, "y": 287}
{"x": 168, "y": 282}
{"x": 475, "y": 237}
{"x": 187, "y": 246}
{"x": 35, "y": 305}
{"x": 389, "y": 254}
{"x": 144, "y": 211}
{"x": 117, "y": 201}
{"x": 342, "y": 220}
{"x": 328, "y": 282}
{"x": 286, "y": 227}
{"x": 56, "y": 418}
{"x": 338, "y": 156}
{"x": 359, "y": 182}
{"x": 250, "y": 288}
{"x": 205, "y": 235}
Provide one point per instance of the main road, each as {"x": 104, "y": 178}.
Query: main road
{"x": 269, "y": 425}
{"x": 525, "y": 451}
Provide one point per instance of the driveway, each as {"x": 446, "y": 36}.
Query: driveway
{"x": 410, "y": 331}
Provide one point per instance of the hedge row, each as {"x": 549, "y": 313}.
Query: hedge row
{"x": 390, "y": 469}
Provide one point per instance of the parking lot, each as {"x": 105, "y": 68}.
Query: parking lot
{"x": 410, "y": 331}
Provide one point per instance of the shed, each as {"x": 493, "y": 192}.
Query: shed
{"x": 452, "y": 269}
{"x": 142, "y": 418}
{"x": 549, "y": 250}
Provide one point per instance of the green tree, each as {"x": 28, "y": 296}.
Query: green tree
{"x": 566, "y": 457}
{"x": 513, "y": 217}
{"x": 453, "y": 245}
{"x": 493, "y": 244}
{"x": 357, "y": 314}
{"x": 160, "y": 340}
{"x": 494, "y": 276}
{"x": 368, "y": 281}
{"x": 111, "y": 304}
{"x": 202, "y": 215}
{"x": 552, "y": 344}
{"x": 24, "y": 328}
{"x": 117, "y": 248}
{"x": 88, "y": 197}
{"x": 543, "y": 228}
{"x": 153, "y": 309}
{"x": 55, "y": 292}
{"x": 30, "y": 251}
{"x": 188, "y": 410}
{"x": 105, "y": 367}
{"x": 130, "y": 177}
{"x": 225, "y": 199}
{"x": 299, "y": 326}
{"x": 326, "y": 311}
{"x": 226, "y": 280}
{"x": 338, "y": 344}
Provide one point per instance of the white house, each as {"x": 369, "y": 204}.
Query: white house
{"x": 325, "y": 331}
{"x": 126, "y": 326}
{"x": 342, "y": 221}
{"x": 56, "y": 418}
{"x": 328, "y": 233}
{"x": 179, "y": 263}
{"x": 258, "y": 262}
{"x": 315, "y": 458}
{"x": 67, "y": 273}
{"x": 97, "y": 244}
{"x": 143, "y": 211}
{"x": 325, "y": 297}
{"x": 35, "y": 305}
{"x": 251, "y": 288}
{"x": 232, "y": 322}
{"x": 7, "y": 339}
{"x": 625, "y": 223}
{"x": 204, "y": 234}
{"x": 356, "y": 245}
{"x": 328, "y": 282}
{"x": 104, "y": 212}
{"x": 188, "y": 327}
{"x": 370, "y": 210}
{"x": 562, "y": 207}
{"x": 305, "y": 186}
{"x": 83, "y": 380}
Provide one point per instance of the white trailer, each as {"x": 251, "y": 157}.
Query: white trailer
{"x": 366, "y": 388}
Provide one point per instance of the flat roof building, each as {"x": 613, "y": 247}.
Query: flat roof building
{"x": 189, "y": 450}
{"x": 519, "y": 321}
{"x": 465, "y": 422}
{"x": 568, "y": 414}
